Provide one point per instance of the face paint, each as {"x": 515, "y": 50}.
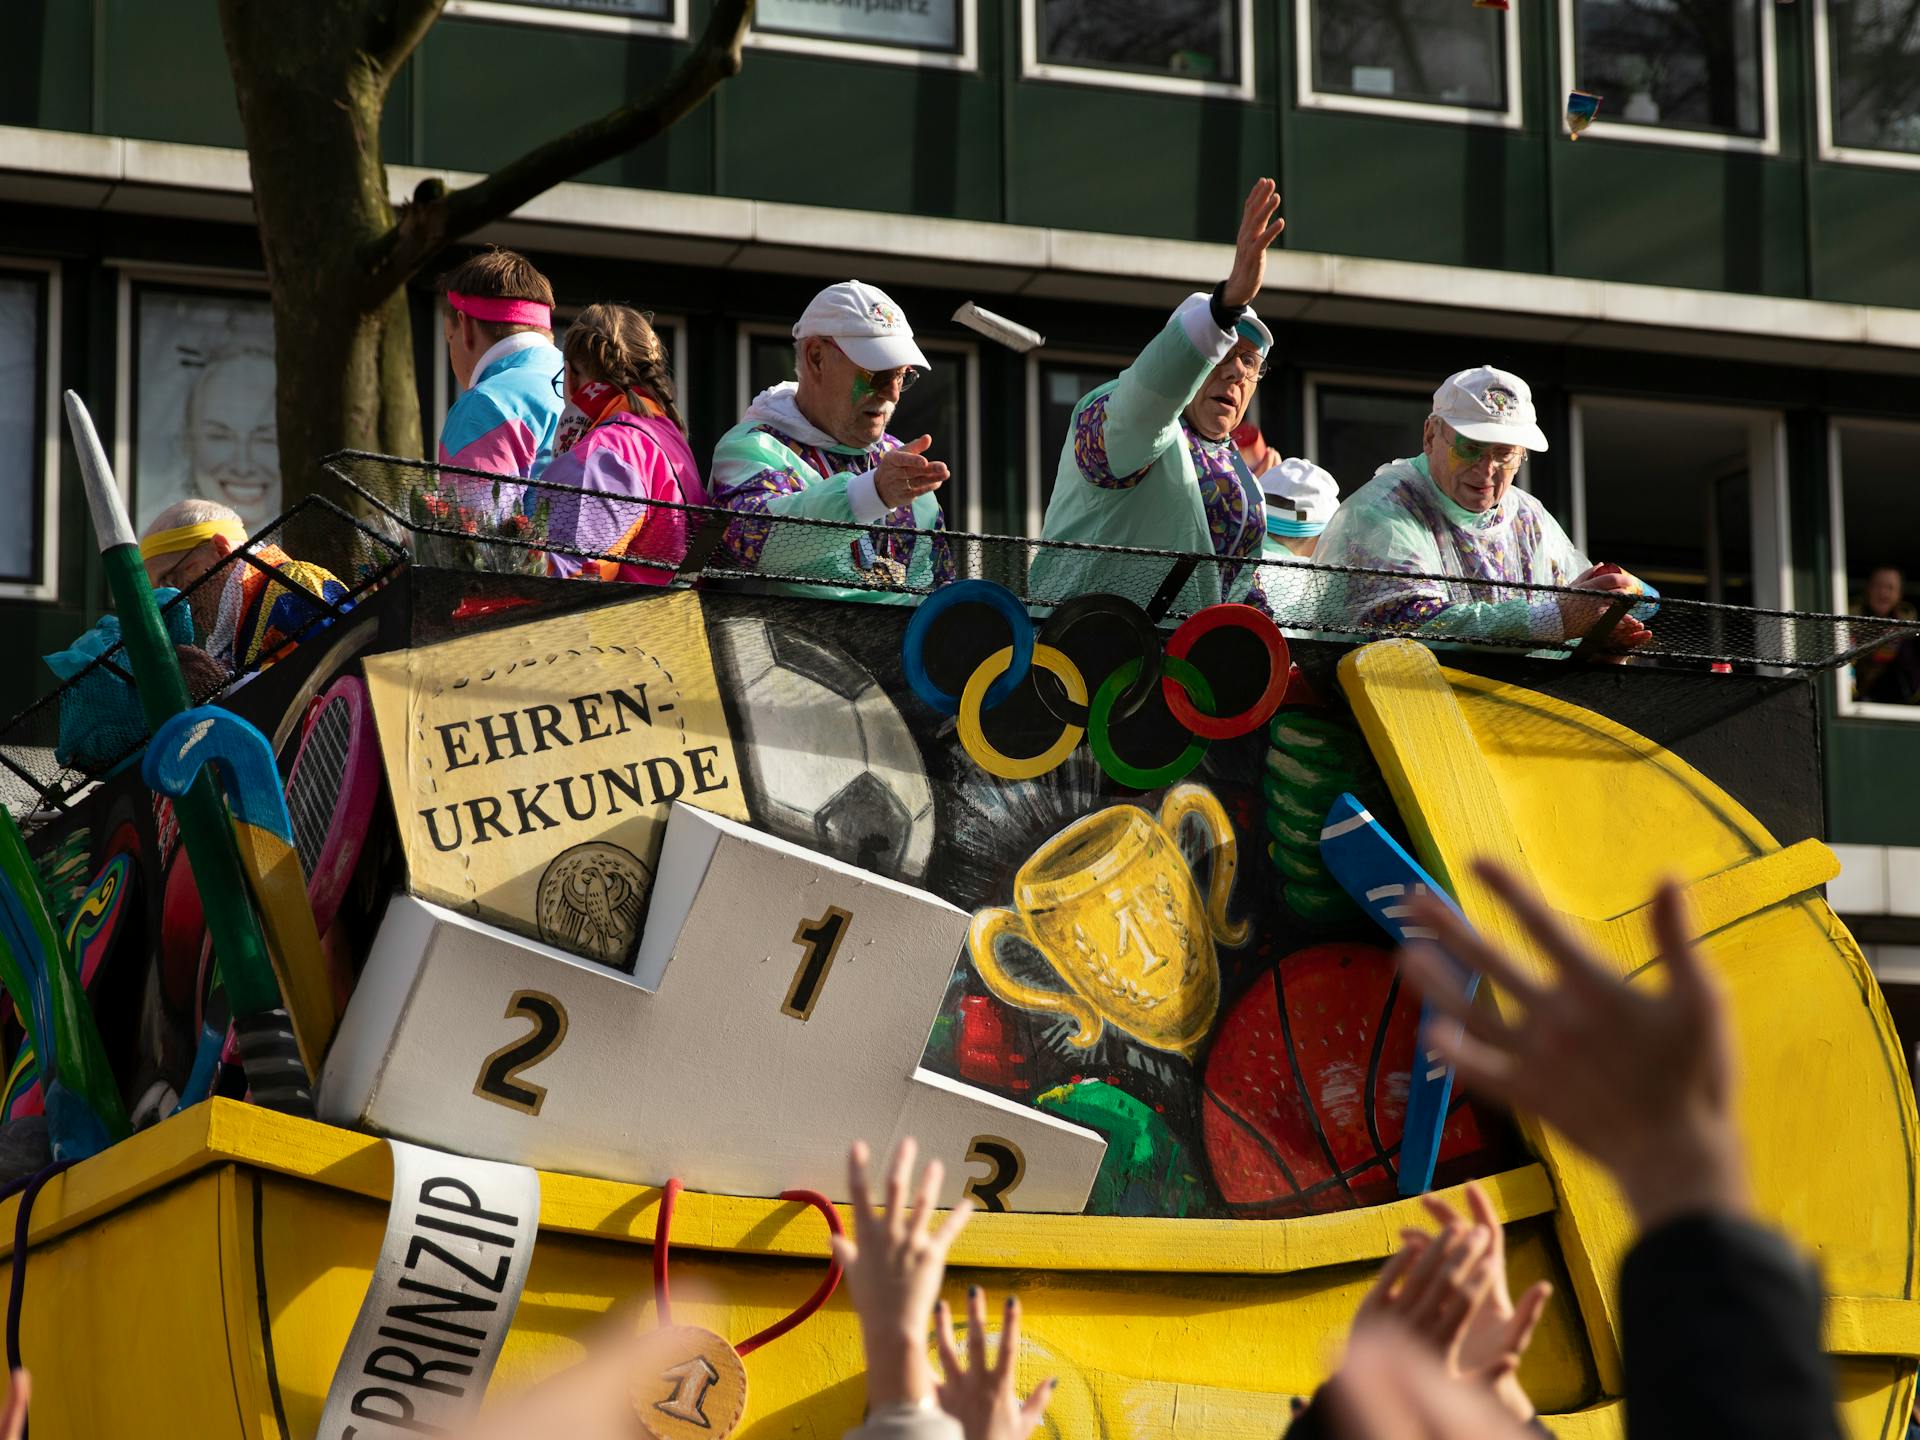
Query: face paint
{"x": 862, "y": 387}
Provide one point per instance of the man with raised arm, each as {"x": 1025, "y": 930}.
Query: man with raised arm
{"x": 1149, "y": 459}
{"x": 817, "y": 448}
{"x": 1452, "y": 510}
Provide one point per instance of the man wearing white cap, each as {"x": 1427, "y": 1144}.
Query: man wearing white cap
{"x": 1149, "y": 459}
{"x": 1301, "y": 499}
{"x": 1452, "y": 510}
{"x": 817, "y": 447}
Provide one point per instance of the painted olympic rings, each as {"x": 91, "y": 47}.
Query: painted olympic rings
{"x": 1138, "y": 625}
{"x": 1279, "y": 669}
{"x": 913, "y": 649}
{"x": 1189, "y": 696}
{"x": 974, "y": 740}
{"x": 1179, "y": 674}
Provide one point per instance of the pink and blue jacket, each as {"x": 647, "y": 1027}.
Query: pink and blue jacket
{"x": 644, "y": 457}
{"x": 505, "y": 421}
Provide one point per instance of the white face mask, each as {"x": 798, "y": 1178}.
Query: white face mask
{"x": 573, "y": 424}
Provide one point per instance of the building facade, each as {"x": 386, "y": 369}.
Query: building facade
{"x": 1714, "y": 293}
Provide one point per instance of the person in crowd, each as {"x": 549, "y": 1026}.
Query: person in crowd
{"x": 894, "y": 1262}
{"x": 1301, "y": 499}
{"x": 1721, "y": 1316}
{"x": 1452, "y": 510}
{"x": 1149, "y": 458}
{"x": 498, "y": 325}
{"x": 622, "y": 436}
{"x": 817, "y": 448}
{"x": 1448, "y": 1292}
{"x": 1889, "y": 674}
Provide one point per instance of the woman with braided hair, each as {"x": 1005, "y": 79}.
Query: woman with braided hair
{"x": 621, "y": 436}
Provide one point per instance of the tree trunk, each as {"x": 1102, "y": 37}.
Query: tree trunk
{"x": 310, "y": 99}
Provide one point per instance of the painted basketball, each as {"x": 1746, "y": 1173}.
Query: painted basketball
{"x": 1306, "y": 1085}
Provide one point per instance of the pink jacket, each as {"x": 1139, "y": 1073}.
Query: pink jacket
{"x": 643, "y": 457}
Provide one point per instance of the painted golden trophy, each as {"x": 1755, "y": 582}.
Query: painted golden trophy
{"x": 1112, "y": 905}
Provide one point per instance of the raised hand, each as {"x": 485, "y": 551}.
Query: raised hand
{"x": 1642, "y": 1080}
{"x": 981, "y": 1396}
{"x": 1394, "y": 1388}
{"x": 1260, "y": 226}
{"x": 894, "y": 1263}
{"x": 13, "y": 1419}
{"x": 1498, "y": 1331}
{"x": 904, "y": 473}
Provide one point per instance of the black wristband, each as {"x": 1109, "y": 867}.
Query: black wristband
{"x": 1224, "y": 315}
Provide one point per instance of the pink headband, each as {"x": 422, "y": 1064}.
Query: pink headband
{"x": 499, "y": 311}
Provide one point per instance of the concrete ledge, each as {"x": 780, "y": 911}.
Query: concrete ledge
{"x": 163, "y": 178}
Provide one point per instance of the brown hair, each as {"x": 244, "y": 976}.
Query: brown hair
{"x": 615, "y": 343}
{"x": 499, "y": 275}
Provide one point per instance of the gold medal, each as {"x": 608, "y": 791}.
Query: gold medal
{"x": 692, "y": 1385}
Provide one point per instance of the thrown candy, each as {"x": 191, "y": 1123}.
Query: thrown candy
{"x": 1581, "y": 110}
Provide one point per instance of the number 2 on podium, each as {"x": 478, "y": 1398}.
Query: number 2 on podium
{"x": 819, "y": 941}
{"x": 500, "y": 1079}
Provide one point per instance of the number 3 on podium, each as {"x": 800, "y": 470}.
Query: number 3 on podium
{"x": 500, "y": 1079}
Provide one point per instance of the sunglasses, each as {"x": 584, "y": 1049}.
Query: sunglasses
{"x": 1472, "y": 452}
{"x": 879, "y": 379}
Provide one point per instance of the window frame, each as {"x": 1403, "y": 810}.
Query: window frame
{"x": 1771, "y": 541}
{"x": 1765, "y": 143}
{"x": 1032, "y": 67}
{"x": 443, "y": 376}
{"x": 967, "y": 351}
{"x": 1035, "y": 512}
{"x": 513, "y": 12}
{"x": 1309, "y": 98}
{"x": 45, "y": 586}
{"x": 966, "y": 59}
{"x": 1845, "y": 705}
{"x": 1314, "y": 381}
{"x": 1827, "y": 149}
{"x": 212, "y": 279}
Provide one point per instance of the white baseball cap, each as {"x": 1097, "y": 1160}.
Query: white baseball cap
{"x": 1493, "y": 406}
{"x": 865, "y": 324}
{"x": 1301, "y": 497}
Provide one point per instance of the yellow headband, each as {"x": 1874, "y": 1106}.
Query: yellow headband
{"x": 189, "y": 537}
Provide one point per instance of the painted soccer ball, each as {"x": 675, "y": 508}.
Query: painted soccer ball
{"x": 831, "y": 762}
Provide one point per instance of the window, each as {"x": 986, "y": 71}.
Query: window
{"x": 201, "y": 386}
{"x": 30, "y": 432}
{"x": 1055, "y": 386}
{"x": 911, "y": 32}
{"x": 1697, "y": 72}
{"x": 943, "y": 403}
{"x": 1353, "y": 429}
{"x": 1876, "y": 546}
{"x": 1203, "y": 46}
{"x": 1432, "y": 58}
{"x": 1868, "y": 56}
{"x": 642, "y": 17}
{"x": 1688, "y": 497}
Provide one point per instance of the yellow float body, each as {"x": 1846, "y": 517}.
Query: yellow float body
{"x": 200, "y": 1279}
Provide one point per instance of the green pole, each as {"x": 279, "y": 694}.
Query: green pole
{"x": 205, "y": 827}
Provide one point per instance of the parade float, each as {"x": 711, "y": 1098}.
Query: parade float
{"x": 600, "y": 916}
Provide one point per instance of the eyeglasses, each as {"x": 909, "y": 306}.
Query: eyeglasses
{"x": 1249, "y": 363}
{"x": 560, "y": 383}
{"x": 1472, "y": 452}
{"x": 880, "y": 379}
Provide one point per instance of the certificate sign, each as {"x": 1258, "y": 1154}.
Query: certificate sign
{"x": 913, "y": 24}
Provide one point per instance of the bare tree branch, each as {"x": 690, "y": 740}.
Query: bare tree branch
{"x": 436, "y": 216}
{"x": 395, "y": 28}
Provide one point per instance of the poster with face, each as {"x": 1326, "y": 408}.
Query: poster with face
{"x": 912, "y": 24}
{"x": 203, "y": 403}
{"x": 20, "y": 397}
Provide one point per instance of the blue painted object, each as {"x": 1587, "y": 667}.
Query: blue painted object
{"x": 1381, "y": 876}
